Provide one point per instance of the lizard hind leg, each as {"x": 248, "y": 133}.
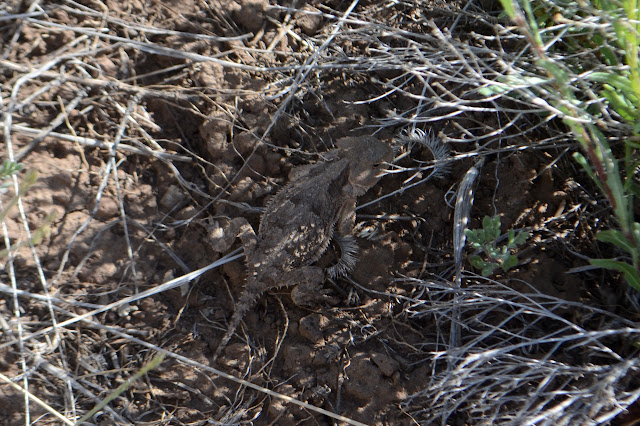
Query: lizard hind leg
{"x": 246, "y": 234}
{"x": 307, "y": 286}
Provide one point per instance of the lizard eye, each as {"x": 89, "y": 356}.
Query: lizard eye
{"x": 380, "y": 169}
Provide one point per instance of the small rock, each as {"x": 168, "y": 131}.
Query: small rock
{"x": 188, "y": 212}
{"x": 214, "y": 131}
{"x": 107, "y": 66}
{"x": 385, "y": 363}
{"x": 277, "y": 406}
{"x": 61, "y": 197}
{"x": 61, "y": 180}
{"x": 107, "y": 209}
{"x": 251, "y": 14}
{"x": 310, "y": 327}
{"x": 210, "y": 75}
{"x": 235, "y": 354}
{"x": 365, "y": 381}
{"x": 172, "y": 197}
{"x": 309, "y": 21}
{"x": 296, "y": 356}
{"x": 245, "y": 143}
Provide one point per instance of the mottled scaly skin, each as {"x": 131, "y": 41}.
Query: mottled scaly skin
{"x": 300, "y": 220}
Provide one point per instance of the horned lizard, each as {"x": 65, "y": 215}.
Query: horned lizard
{"x": 301, "y": 219}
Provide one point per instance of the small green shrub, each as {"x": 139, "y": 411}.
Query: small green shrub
{"x": 8, "y": 169}
{"x": 486, "y": 240}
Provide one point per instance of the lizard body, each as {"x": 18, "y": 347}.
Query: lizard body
{"x": 300, "y": 220}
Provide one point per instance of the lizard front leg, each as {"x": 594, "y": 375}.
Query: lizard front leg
{"x": 222, "y": 237}
{"x": 348, "y": 256}
{"x": 347, "y": 242}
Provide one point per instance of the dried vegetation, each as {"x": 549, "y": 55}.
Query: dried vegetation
{"x": 151, "y": 125}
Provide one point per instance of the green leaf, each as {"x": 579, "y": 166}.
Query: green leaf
{"x": 472, "y": 234}
{"x": 491, "y": 226}
{"x": 632, "y": 144}
{"x": 579, "y": 158}
{"x": 620, "y": 104}
{"x": 616, "y": 238}
{"x": 509, "y": 263}
{"x": 635, "y": 229}
{"x": 486, "y": 222}
{"x": 491, "y": 251}
{"x": 631, "y": 274}
{"x": 619, "y": 82}
{"x": 610, "y": 58}
{"x": 509, "y": 83}
{"x": 475, "y": 237}
{"x": 477, "y": 262}
{"x": 558, "y": 73}
{"x": 521, "y": 237}
{"x": 9, "y": 168}
{"x": 494, "y": 89}
{"x": 488, "y": 270}
{"x": 509, "y": 8}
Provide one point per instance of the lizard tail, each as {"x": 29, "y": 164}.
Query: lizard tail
{"x": 246, "y": 302}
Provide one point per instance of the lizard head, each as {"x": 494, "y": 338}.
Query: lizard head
{"x": 366, "y": 156}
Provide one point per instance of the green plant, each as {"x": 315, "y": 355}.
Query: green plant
{"x": 486, "y": 240}
{"x": 8, "y": 169}
{"x": 593, "y": 97}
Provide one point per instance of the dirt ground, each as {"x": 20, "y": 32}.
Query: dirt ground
{"x": 190, "y": 159}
